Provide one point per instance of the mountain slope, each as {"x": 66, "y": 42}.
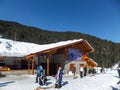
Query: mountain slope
{"x": 106, "y": 52}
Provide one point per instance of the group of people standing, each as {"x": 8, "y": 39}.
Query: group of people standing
{"x": 42, "y": 80}
{"x": 41, "y": 76}
{"x": 82, "y": 70}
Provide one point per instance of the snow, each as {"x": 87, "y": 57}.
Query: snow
{"x": 19, "y": 49}
{"x": 99, "y": 81}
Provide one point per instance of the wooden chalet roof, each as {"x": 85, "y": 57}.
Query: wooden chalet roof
{"x": 81, "y": 44}
{"x": 89, "y": 60}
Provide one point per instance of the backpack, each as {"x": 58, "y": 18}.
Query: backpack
{"x": 39, "y": 70}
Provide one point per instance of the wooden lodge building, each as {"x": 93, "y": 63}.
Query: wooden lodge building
{"x": 65, "y": 54}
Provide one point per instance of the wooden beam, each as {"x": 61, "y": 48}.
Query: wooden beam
{"x": 52, "y": 51}
{"x": 48, "y": 62}
{"x": 33, "y": 66}
{"x": 30, "y": 56}
{"x": 2, "y": 57}
{"x": 66, "y": 53}
{"x": 28, "y": 67}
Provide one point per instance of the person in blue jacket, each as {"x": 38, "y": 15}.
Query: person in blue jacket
{"x": 39, "y": 70}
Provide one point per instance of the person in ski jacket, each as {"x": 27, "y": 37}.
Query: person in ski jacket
{"x": 81, "y": 70}
{"x": 74, "y": 71}
{"x": 42, "y": 78}
{"x": 59, "y": 75}
{"x": 118, "y": 69}
{"x": 118, "y": 73}
{"x": 39, "y": 70}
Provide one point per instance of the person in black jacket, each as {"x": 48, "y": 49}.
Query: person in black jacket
{"x": 119, "y": 70}
{"x": 59, "y": 78}
{"x": 81, "y": 70}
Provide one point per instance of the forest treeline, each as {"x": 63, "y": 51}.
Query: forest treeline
{"x": 107, "y": 53}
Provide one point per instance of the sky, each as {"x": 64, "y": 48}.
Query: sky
{"x": 99, "y": 18}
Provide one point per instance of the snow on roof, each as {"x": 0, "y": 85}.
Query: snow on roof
{"x": 12, "y": 48}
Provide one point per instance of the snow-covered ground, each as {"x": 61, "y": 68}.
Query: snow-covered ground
{"x": 101, "y": 81}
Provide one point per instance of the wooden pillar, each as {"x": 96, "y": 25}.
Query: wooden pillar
{"x": 38, "y": 59}
{"x": 66, "y": 53}
{"x": 33, "y": 65}
{"x": 28, "y": 66}
{"x": 30, "y": 58}
{"x": 48, "y": 63}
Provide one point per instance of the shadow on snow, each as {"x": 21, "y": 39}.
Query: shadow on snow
{"x": 6, "y": 83}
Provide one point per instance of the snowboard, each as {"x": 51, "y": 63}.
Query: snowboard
{"x": 45, "y": 87}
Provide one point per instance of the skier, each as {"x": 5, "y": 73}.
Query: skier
{"x": 59, "y": 78}
{"x": 74, "y": 71}
{"x": 119, "y": 70}
{"x": 81, "y": 70}
{"x": 39, "y": 70}
{"x": 42, "y": 78}
{"x": 85, "y": 70}
{"x": 118, "y": 73}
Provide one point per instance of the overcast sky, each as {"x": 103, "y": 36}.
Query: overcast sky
{"x": 100, "y": 18}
